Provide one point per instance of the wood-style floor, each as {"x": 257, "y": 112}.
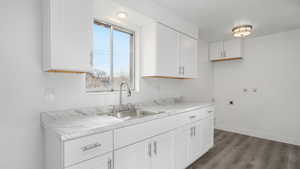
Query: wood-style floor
{"x": 235, "y": 151}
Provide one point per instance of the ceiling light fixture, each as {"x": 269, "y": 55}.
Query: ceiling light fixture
{"x": 122, "y": 15}
{"x": 242, "y": 31}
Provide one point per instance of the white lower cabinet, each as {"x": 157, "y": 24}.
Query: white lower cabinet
{"x": 192, "y": 141}
{"x": 173, "y": 142}
{"x": 182, "y": 144}
{"x": 154, "y": 153}
{"x": 163, "y": 151}
{"x": 196, "y": 141}
{"x": 135, "y": 156}
{"x": 207, "y": 132}
{"x": 103, "y": 162}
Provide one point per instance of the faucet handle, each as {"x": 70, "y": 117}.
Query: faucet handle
{"x": 114, "y": 109}
{"x": 129, "y": 92}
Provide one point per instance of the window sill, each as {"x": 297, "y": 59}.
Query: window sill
{"x": 108, "y": 93}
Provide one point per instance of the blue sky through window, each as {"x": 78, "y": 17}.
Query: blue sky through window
{"x": 102, "y": 51}
{"x": 101, "y": 79}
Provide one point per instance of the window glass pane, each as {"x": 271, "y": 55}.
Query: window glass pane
{"x": 100, "y": 77}
{"x": 111, "y": 68}
{"x": 122, "y": 45}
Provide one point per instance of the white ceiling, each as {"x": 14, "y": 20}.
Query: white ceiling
{"x": 216, "y": 18}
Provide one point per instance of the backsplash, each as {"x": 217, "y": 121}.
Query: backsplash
{"x": 72, "y": 88}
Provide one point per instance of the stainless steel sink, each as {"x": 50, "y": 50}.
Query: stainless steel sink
{"x": 132, "y": 114}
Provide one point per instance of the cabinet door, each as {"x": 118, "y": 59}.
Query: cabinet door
{"x": 232, "y": 48}
{"x": 215, "y": 50}
{"x": 163, "y": 151}
{"x": 137, "y": 156}
{"x": 196, "y": 141}
{"x": 71, "y": 25}
{"x": 103, "y": 162}
{"x": 188, "y": 57}
{"x": 167, "y": 63}
{"x": 207, "y": 127}
{"x": 181, "y": 147}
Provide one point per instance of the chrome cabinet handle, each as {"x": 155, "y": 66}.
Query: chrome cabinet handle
{"x": 192, "y": 117}
{"x": 90, "y": 147}
{"x": 183, "y": 70}
{"x": 150, "y": 150}
{"x": 210, "y": 111}
{"x": 192, "y": 131}
{"x": 109, "y": 164}
{"x": 155, "y": 147}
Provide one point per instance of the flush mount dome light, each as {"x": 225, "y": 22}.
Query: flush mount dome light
{"x": 122, "y": 15}
{"x": 242, "y": 31}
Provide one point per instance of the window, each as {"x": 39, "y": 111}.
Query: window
{"x": 113, "y": 58}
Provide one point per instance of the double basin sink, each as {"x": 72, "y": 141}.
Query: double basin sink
{"x": 130, "y": 112}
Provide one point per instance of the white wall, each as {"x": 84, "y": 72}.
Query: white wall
{"x": 271, "y": 65}
{"x": 23, "y": 84}
{"x": 162, "y": 14}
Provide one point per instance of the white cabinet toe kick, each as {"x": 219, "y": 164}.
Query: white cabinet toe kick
{"x": 172, "y": 142}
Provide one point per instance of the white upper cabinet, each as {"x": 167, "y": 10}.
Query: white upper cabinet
{"x": 168, "y": 53}
{"x": 188, "y": 57}
{"x": 226, "y": 50}
{"x": 68, "y": 37}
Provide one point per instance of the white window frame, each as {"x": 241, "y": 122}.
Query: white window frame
{"x": 133, "y": 71}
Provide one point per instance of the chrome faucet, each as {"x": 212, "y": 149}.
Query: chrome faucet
{"x": 128, "y": 92}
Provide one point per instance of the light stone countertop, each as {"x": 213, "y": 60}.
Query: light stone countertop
{"x": 71, "y": 124}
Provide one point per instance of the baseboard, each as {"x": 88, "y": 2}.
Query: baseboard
{"x": 262, "y": 135}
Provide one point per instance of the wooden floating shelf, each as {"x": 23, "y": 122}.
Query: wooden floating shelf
{"x": 66, "y": 71}
{"x": 166, "y": 77}
{"x": 225, "y": 59}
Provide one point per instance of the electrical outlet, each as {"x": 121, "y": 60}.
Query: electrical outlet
{"x": 49, "y": 94}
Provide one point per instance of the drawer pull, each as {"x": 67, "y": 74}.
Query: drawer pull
{"x": 194, "y": 129}
{"x": 149, "y": 150}
{"x": 109, "y": 165}
{"x": 210, "y": 111}
{"x": 155, "y": 147}
{"x": 91, "y": 146}
{"x": 192, "y": 117}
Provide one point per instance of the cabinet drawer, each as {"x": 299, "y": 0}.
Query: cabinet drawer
{"x": 87, "y": 147}
{"x": 132, "y": 134}
{"x": 198, "y": 114}
{"x": 103, "y": 162}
